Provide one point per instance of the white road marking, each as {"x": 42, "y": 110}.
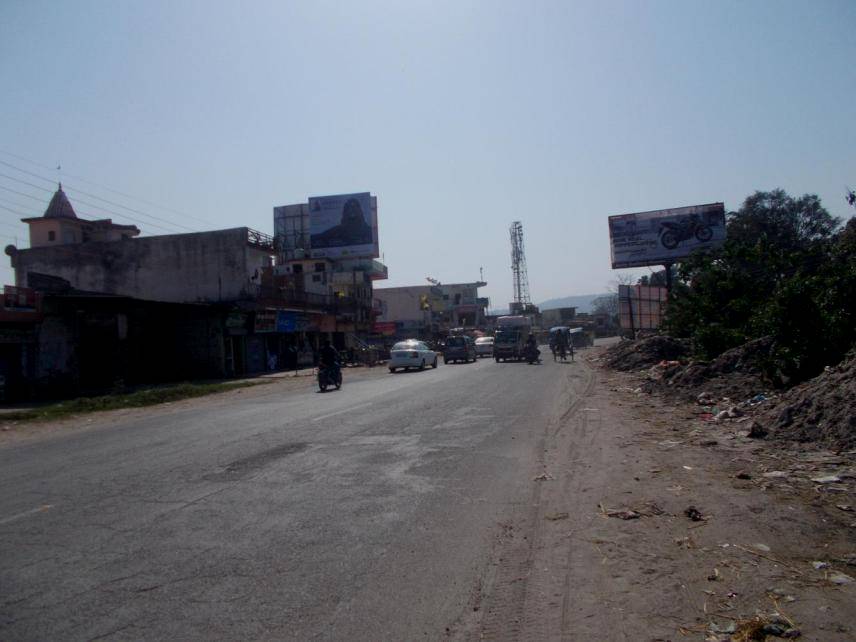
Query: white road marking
{"x": 341, "y": 412}
{"x": 39, "y": 509}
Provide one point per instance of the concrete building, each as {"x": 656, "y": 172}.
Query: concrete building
{"x": 346, "y": 282}
{"x": 431, "y": 311}
{"x": 201, "y": 304}
{"x": 100, "y": 256}
{"x": 60, "y": 226}
{"x": 557, "y": 316}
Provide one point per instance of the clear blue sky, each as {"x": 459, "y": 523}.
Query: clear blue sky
{"x": 460, "y": 116}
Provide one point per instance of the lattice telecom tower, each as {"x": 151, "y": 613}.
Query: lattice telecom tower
{"x": 518, "y": 268}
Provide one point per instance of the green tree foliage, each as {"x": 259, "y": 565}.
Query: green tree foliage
{"x": 784, "y": 272}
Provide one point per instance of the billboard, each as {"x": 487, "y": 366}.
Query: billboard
{"x": 664, "y": 236}
{"x": 343, "y": 226}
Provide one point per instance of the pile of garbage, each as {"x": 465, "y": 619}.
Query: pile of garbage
{"x": 739, "y": 373}
{"x": 821, "y": 410}
{"x": 644, "y": 353}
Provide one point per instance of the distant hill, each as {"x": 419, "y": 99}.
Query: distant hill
{"x": 582, "y": 302}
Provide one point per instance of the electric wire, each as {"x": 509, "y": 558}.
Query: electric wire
{"x": 87, "y": 203}
{"x": 113, "y": 191}
{"x": 71, "y": 188}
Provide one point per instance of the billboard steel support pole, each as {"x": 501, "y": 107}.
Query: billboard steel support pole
{"x": 668, "y": 267}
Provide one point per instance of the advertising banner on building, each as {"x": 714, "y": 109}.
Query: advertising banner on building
{"x": 343, "y": 226}
{"x": 287, "y": 321}
{"x": 665, "y": 236}
{"x": 265, "y": 321}
{"x": 386, "y": 328}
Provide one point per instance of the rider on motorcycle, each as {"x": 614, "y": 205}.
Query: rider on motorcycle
{"x": 329, "y": 359}
{"x": 532, "y": 348}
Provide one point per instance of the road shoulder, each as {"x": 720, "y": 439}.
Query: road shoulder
{"x": 648, "y": 523}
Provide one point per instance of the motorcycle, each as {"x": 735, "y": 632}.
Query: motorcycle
{"x": 329, "y": 376}
{"x": 673, "y": 232}
{"x": 532, "y": 355}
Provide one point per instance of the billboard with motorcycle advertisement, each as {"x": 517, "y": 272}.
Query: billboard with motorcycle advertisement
{"x": 664, "y": 236}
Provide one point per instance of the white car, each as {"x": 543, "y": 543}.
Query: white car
{"x": 411, "y": 354}
{"x": 484, "y": 347}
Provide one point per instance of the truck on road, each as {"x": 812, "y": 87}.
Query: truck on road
{"x": 512, "y": 332}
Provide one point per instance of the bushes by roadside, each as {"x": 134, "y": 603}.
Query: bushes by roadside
{"x": 787, "y": 271}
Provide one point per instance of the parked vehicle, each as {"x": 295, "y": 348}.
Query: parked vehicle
{"x": 459, "y": 349}
{"x": 484, "y": 347}
{"x": 411, "y": 354}
{"x": 511, "y": 336}
{"x": 329, "y": 376}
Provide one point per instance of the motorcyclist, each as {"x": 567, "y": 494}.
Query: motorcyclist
{"x": 532, "y": 347}
{"x": 329, "y": 359}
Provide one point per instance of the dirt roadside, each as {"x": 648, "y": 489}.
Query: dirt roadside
{"x": 648, "y": 523}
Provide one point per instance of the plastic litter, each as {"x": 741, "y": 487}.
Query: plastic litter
{"x": 826, "y": 479}
{"x": 837, "y": 577}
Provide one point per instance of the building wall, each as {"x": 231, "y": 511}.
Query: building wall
{"x": 557, "y": 316}
{"x": 449, "y": 305}
{"x": 39, "y": 232}
{"x": 403, "y": 304}
{"x": 94, "y": 344}
{"x": 198, "y": 267}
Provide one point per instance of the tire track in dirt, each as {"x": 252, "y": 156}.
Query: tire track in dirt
{"x": 518, "y": 599}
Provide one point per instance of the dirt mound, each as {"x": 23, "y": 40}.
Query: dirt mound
{"x": 821, "y": 410}
{"x": 644, "y": 353}
{"x": 739, "y": 373}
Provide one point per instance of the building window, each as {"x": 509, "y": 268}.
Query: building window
{"x": 457, "y": 299}
{"x": 298, "y": 268}
{"x": 319, "y": 267}
{"x": 51, "y": 236}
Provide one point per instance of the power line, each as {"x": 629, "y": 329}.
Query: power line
{"x": 80, "y": 191}
{"x": 9, "y": 189}
{"x": 74, "y": 189}
{"x": 99, "y": 207}
{"x": 15, "y": 204}
{"x": 11, "y": 210}
{"x": 113, "y": 191}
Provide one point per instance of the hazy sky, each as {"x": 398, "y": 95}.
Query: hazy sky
{"x": 460, "y": 116}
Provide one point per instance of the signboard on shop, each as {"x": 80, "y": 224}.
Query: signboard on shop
{"x": 386, "y": 328}
{"x": 661, "y": 237}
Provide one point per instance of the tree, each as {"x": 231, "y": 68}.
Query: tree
{"x": 777, "y": 274}
{"x": 608, "y": 305}
{"x": 657, "y": 279}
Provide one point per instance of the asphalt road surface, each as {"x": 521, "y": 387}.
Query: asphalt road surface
{"x": 367, "y": 513}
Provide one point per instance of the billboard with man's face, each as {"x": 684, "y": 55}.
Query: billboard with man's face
{"x": 665, "y": 236}
{"x": 343, "y": 226}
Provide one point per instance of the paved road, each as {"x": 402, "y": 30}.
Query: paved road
{"x": 362, "y": 514}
